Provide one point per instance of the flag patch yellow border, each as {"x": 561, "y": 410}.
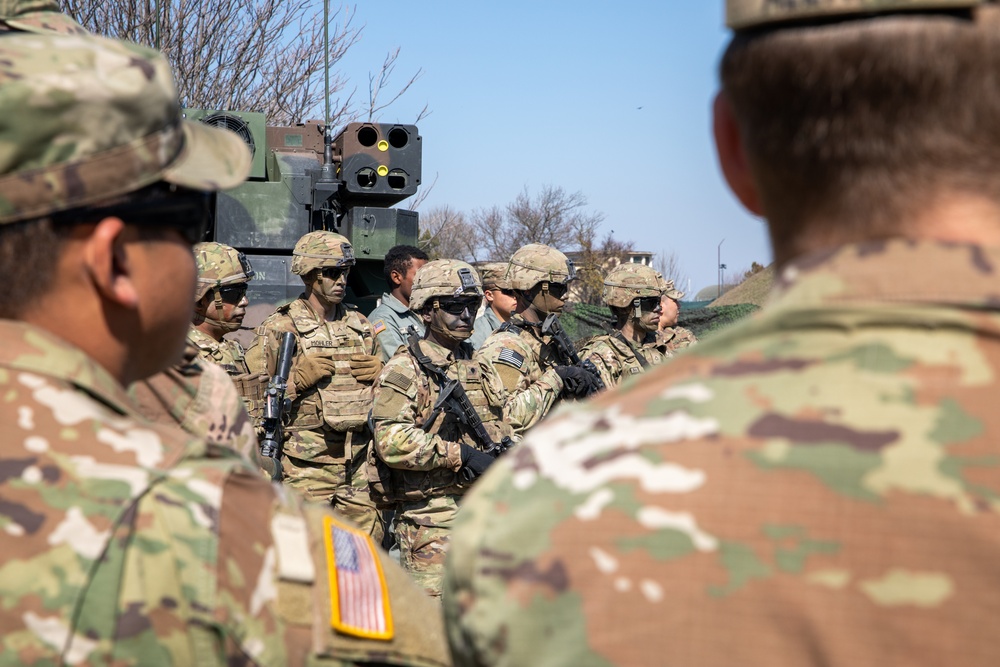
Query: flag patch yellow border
{"x": 359, "y": 596}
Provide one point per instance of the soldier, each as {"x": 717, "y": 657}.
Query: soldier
{"x": 523, "y": 371}
{"x": 224, "y": 275}
{"x": 425, "y": 456}
{"x": 500, "y": 302}
{"x": 126, "y": 542}
{"x": 393, "y": 317}
{"x": 633, "y": 292}
{"x": 668, "y": 334}
{"x": 819, "y": 485}
{"x": 337, "y": 361}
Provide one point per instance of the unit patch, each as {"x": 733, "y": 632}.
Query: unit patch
{"x": 378, "y": 326}
{"x": 510, "y": 357}
{"x": 359, "y": 597}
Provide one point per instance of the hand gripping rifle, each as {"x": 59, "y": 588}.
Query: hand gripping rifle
{"x": 275, "y": 405}
{"x": 453, "y": 399}
{"x": 551, "y": 327}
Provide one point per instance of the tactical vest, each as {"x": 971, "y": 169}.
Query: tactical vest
{"x": 339, "y": 402}
{"x": 388, "y": 486}
{"x": 229, "y": 356}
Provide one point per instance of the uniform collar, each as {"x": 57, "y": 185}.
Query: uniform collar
{"x": 202, "y": 339}
{"x": 30, "y": 349}
{"x": 438, "y": 354}
{"x": 896, "y": 270}
{"x": 394, "y": 304}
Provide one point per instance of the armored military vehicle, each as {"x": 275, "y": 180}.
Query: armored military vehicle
{"x": 304, "y": 178}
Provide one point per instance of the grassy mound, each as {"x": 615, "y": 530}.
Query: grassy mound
{"x": 582, "y": 321}
{"x": 756, "y": 289}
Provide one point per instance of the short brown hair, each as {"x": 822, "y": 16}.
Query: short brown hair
{"x": 861, "y": 123}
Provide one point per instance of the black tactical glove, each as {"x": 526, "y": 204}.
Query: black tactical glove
{"x": 577, "y": 381}
{"x": 474, "y": 462}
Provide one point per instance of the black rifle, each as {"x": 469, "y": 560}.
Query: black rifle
{"x": 551, "y": 327}
{"x": 453, "y": 399}
{"x": 275, "y": 405}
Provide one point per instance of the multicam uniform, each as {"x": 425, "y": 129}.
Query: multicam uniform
{"x": 327, "y": 438}
{"x": 416, "y": 462}
{"x": 617, "y": 358}
{"x": 518, "y": 367}
{"x": 228, "y": 354}
{"x": 674, "y": 339}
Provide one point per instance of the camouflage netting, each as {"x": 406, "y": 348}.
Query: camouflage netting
{"x": 583, "y": 321}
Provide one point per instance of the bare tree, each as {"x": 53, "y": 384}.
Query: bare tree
{"x": 669, "y": 264}
{"x": 445, "y": 234}
{"x": 553, "y": 217}
{"x": 249, "y": 55}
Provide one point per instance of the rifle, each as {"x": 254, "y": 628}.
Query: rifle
{"x": 275, "y": 405}
{"x": 552, "y": 328}
{"x": 452, "y": 398}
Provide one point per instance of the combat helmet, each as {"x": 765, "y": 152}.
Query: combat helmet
{"x": 536, "y": 263}
{"x": 218, "y": 265}
{"x": 673, "y": 292}
{"x": 627, "y": 282}
{"x": 494, "y": 275}
{"x": 744, "y": 14}
{"x": 444, "y": 278}
{"x": 318, "y": 250}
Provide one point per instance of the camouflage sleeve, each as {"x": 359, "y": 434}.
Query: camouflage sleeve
{"x": 600, "y": 353}
{"x": 262, "y": 355}
{"x": 272, "y": 593}
{"x": 524, "y": 403}
{"x": 400, "y": 443}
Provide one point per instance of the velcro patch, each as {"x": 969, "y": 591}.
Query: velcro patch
{"x": 359, "y": 597}
{"x": 510, "y": 357}
{"x": 378, "y": 326}
{"x": 291, "y": 538}
{"x": 398, "y": 380}
{"x": 319, "y": 343}
{"x": 634, "y": 370}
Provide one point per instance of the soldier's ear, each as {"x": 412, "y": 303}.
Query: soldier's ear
{"x": 732, "y": 156}
{"x": 108, "y": 262}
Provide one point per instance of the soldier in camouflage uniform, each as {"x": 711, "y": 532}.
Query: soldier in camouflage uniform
{"x": 424, "y": 459}
{"x": 224, "y": 275}
{"x": 522, "y": 371}
{"x": 337, "y": 360}
{"x": 126, "y": 542}
{"x": 500, "y": 302}
{"x": 819, "y": 485}
{"x": 633, "y": 292}
{"x": 668, "y": 334}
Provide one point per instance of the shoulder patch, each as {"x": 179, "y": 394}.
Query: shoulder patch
{"x": 510, "y": 357}
{"x": 398, "y": 380}
{"x": 359, "y": 596}
{"x": 378, "y": 327}
{"x": 291, "y": 539}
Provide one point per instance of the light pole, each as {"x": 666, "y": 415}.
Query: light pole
{"x": 721, "y": 266}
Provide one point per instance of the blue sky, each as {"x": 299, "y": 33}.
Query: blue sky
{"x": 534, "y": 93}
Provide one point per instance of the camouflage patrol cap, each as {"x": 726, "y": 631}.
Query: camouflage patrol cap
{"x": 38, "y": 16}
{"x": 317, "y": 250}
{"x": 673, "y": 292}
{"x": 218, "y": 265}
{"x": 494, "y": 275}
{"x": 627, "y": 282}
{"x": 444, "y": 277}
{"x": 84, "y": 119}
{"x": 743, "y": 14}
{"x": 536, "y": 263}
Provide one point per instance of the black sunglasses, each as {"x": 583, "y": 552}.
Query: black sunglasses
{"x": 233, "y": 294}
{"x": 189, "y": 212}
{"x": 335, "y": 272}
{"x": 649, "y": 303}
{"x": 459, "y": 306}
{"x": 558, "y": 290}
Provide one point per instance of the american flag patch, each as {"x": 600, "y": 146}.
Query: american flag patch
{"x": 359, "y": 597}
{"x": 378, "y": 326}
{"x": 511, "y": 358}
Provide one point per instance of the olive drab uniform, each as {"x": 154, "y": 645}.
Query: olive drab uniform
{"x": 327, "y": 435}
{"x": 617, "y": 358}
{"x": 518, "y": 366}
{"x": 414, "y": 464}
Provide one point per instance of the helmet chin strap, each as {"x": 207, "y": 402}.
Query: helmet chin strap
{"x": 225, "y": 325}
